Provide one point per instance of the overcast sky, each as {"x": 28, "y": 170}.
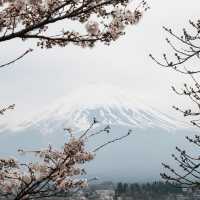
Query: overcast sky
{"x": 46, "y": 75}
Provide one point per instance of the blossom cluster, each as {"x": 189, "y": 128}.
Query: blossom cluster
{"x": 115, "y": 28}
{"x": 58, "y": 170}
{"x": 53, "y": 171}
{"x": 104, "y": 20}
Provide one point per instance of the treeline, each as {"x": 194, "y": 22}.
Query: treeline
{"x": 155, "y": 190}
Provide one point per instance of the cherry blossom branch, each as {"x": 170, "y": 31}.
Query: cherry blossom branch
{"x": 54, "y": 173}
{"x": 36, "y": 22}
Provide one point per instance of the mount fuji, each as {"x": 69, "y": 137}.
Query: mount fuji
{"x": 137, "y": 158}
{"x": 108, "y": 104}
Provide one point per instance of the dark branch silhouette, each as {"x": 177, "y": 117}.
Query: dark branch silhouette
{"x": 185, "y": 48}
{"x": 16, "y": 59}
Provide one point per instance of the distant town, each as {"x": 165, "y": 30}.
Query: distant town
{"x": 135, "y": 191}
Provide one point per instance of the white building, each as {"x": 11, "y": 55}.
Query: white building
{"x": 105, "y": 194}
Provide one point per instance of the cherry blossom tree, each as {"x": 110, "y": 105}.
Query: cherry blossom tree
{"x": 95, "y": 20}
{"x": 186, "y": 50}
{"x": 55, "y": 172}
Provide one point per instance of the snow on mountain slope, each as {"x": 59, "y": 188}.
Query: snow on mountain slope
{"x": 108, "y": 104}
{"x": 136, "y": 158}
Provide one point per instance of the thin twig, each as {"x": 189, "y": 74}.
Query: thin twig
{"x": 18, "y": 58}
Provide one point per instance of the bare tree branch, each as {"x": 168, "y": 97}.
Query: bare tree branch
{"x": 186, "y": 48}
{"x": 16, "y": 59}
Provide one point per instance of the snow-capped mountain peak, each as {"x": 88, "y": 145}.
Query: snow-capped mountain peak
{"x": 110, "y": 105}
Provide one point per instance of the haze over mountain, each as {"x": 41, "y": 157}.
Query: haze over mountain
{"x": 137, "y": 158}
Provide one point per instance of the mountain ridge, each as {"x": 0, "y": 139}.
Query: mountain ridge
{"x": 108, "y": 104}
